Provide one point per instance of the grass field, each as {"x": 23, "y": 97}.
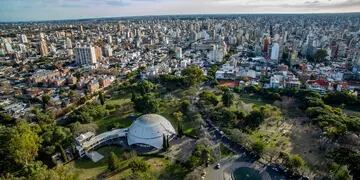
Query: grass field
{"x": 118, "y": 117}
{"x": 84, "y": 168}
{"x": 159, "y": 167}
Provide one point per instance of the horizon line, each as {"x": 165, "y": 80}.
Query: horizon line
{"x": 160, "y": 15}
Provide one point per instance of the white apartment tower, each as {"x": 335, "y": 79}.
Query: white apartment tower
{"x": 85, "y": 55}
{"x": 24, "y": 39}
{"x": 108, "y": 51}
{"x": 275, "y": 52}
{"x": 178, "y": 53}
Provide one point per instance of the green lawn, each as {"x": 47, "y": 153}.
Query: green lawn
{"x": 84, "y": 168}
{"x": 118, "y": 117}
{"x": 118, "y": 101}
{"x": 257, "y": 101}
{"x": 114, "y": 120}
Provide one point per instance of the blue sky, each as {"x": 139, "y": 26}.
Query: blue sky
{"x": 25, "y": 10}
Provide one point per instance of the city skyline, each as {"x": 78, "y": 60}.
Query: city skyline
{"x": 38, "y": 10}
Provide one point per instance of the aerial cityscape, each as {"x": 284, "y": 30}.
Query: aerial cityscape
{"x": 179, "y": 90}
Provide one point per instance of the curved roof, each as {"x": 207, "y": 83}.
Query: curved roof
{"x": 149, "y": 129}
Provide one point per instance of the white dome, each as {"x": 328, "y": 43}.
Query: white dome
{"x": 149, "y": 129}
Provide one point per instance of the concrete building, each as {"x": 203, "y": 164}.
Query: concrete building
{"x": 23, "y": 38}
{"x": 85, "y": 55}
{"x": 178, "y": 53}
{"x": 43, "y": 48}
{"x": 275, "y": 52}
{"x": 108, "y": 52}
{"x": 146, "y": 132}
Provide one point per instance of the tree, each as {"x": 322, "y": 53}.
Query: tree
{"x": 205, "y": 156}
{"x": 320, "y": 56}
{"x": 223, "y": 116}
{"x": 164, "y": 144}
{"x": 38, "y": 171}
{"x": 209, "y": 98}
{"x": 53, "y": 138}
{"x": 145, "y": 87}
{"x": 6, "y": 161}
{"x": 101, "y": 97}
{"x": 254, "y": 119}
{"x": 180, "y": 129}
{"x": 296, "y": 161}
{"x": 113, "y": 162}
{"x": 192, "y": 75}
{"x": 6, "y": 119}
{"x": 138, "y": 165}
{"x": 258, "y": 146}
{"x": 45, "y": 100}
{"x": 24, "y": 144}
{"x": 227, "y": 98}
{"x": 167, "y": 142}
{"x": 146, "y": 104}
{"x": 339, "y": 172}
{"x": 185, "y": 106}
{"x": 212, "y": 72}
{"x": 178, "y": 116}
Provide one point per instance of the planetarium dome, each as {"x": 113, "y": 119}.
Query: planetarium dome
{"x": 149, "y": 130}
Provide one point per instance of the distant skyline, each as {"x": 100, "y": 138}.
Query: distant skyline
{"x": 34, "y": 10}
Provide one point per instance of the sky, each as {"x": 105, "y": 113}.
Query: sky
{"x": 29, "y": 10}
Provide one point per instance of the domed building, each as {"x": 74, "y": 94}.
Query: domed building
{"x": 146, "y": 134}
{"x": 148, "y": 131}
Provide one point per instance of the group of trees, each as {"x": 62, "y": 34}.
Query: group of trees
{"x": 20, "y": 146}
{"x": 293, "y": 162}
{"x": 339, "y": 98}
{"x": 139, "y": 168}
{"x": 201, "y": 156}
{"x": 266, "y": 94}
{"x": 226, "y": 118}
{"x": 143, "y": 97}
{"x": 333, "y": 121}
{"x": 190, "y": 76}
{"x": 166, "y": 143}
{"x": 89, "y": 113}
{"x": 227, "y": 97}
{"x": 208, "y": 98}
{"x": 147, "y": 103}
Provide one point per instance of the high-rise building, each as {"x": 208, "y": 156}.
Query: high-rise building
{"x": 24, "y": 38}
{"x": 109, "y": 39}
{"x": 266, "y": 45}
{"x": 85, "y": 55}
{"x": 81, "y": 29}
{"x": 98, "y": 53}
{"x": 8, "y": 47}
{"x": 178, "y": 53}
{"x": 2, "y": 52}
{"x": 42, "y": 36}
{"x": 43, "y": 48}
{"x": 108, "y": 51}
{"x": 275, "y": 52}
{"x": 68, "y": 43}
{"x": 23, "y": 48}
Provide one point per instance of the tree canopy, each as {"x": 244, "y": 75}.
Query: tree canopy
{"x": 227, "y": 98}
{"x": 192, "y": 75}
{"x": 24, "y": 143}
